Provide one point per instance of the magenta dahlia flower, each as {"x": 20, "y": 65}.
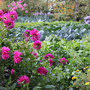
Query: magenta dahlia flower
{"x": 23, "y": 9}
{"x": 26, "y": 11}
{"x": 35, "y": 54}
{"x": 20, "y": 6}
{"x": 9, "y": 24}
{"x": 24, "y": 4}
{"x": 50, "y": 62}
{"x": 5, "y": 17}
{"x": 63, "y": 60}
{"x": 5, "y": 53}
{"x": 17, "y": 58}
{"x": 18, "y": 2}
{"x": 1, "y": 13}
{"x": 5, "y": 11}
{"x": 13, "y": 15}
{"x": 49, "y": 55}
{"x": 23, "y": 80}
{"x": 12, "y": 71}
{"x": 27, "y": 33}
{"x": 35, "y": 35}
{"x": 37, "y": 45}
{"x": 42, "y": 71}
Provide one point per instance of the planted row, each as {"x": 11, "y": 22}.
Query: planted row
{"x": 68, "y": 31}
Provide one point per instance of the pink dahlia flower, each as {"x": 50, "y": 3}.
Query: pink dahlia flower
{"x": 9, "y": 24}
{"x": 20, "y": 6}
{"x": 14, "y": 4}
{"x": 63, "y": 60}
{"x": 23, "y": 9}
{"x": 50, "y": 62}
{"x": 5, "y": 17}
{"x": 23, "y": 80}
{"x": 35, "y": 35}
{"x": 49, "y": 55}
{"x": 26, "y": 11}
{"x": 1, "y": 13}
{"x": 35, "y": 54}
{"x": 12, "y": 71}
{"x": 5, "y": 53}
{"x": 18, "y": 2}
{"x": 17, "y": 58}
{"x": 5, "y": 56}
{"x": 13, "y": 15}
{"x": 27, "y": 33}
{"x": 42, "y": 71}
{"x": 5, "y": 50}
{"x": 37, "y": 45}
{"x": 24, "y": 4}
{"x": 8, "y": 5}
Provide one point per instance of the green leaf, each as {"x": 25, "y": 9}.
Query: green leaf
{"x": 70, "y": 88}
{"x": 37, "y": 88}
{"x": 13, "y": 86}
{"x": 49, "y": 86}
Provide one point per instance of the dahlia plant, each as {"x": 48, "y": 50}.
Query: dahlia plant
{"x": 7, "y": 21}
{"x": 20, "y": 4}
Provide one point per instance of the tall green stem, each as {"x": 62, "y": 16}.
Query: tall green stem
{"x": 1, "y": 32}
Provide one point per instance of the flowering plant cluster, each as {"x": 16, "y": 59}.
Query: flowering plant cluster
{"x": 8, "y": 18}
{"x": 18, "y": 5}
{"x": 35, "y": 35}
{"x": 5, "y": 53}
{"x": 18, "y": 56}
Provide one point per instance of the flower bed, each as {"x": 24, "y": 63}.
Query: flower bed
{"x": 49, "y": 64}
{"x": 66, "y": 64}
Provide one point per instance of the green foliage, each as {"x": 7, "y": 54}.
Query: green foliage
{"x": 77, "y": 53}
{"x": 83, "y": 8}
{"x": 68, "y": 30}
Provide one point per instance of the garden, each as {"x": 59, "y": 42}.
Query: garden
{"x": 44, "y": 45}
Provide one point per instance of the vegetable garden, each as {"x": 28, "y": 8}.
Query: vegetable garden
{"x": 45, "y": 55}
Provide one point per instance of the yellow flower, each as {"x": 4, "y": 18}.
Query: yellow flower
{"x": 87, "y": 83}
{"x": 73, "y": 78}
{"x": 86, "y": 67}
{"x": 77, "y": 70}
{"x": 88, "y": 70}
